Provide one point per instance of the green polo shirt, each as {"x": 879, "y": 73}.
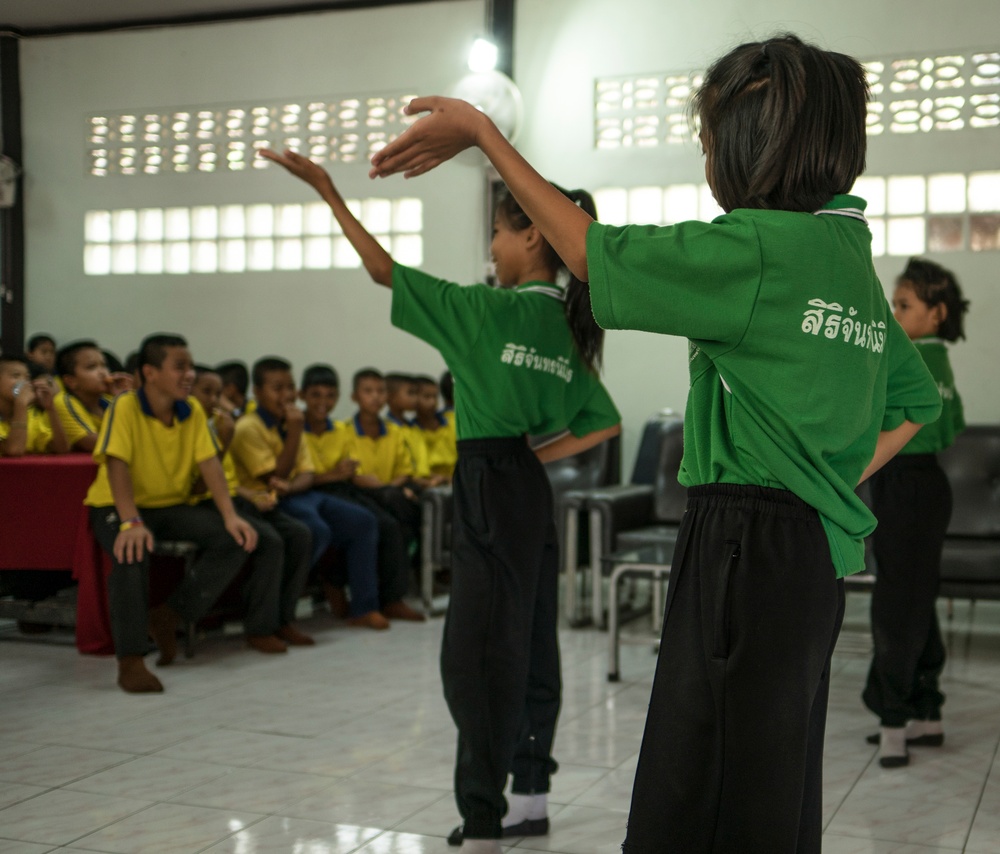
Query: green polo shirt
{"x": 795, "y": 360}
{"x": 941, "y": 434}
{"x": 517, "y": 369}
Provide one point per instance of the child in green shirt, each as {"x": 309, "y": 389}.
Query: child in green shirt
{"x": 802, "y": 385}
{"x": 911, "y": 498}
{"x": 524, "y": 358}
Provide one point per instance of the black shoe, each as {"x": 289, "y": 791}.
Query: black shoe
{"x": 935, "y": 740}
{"x": 894, "y": 761}
{"x": 528, "y": 827}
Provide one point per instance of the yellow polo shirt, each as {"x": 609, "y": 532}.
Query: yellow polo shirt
{"x": 386, "y": 456}
{"x": 161, "y": 458}
{"x": 442, "y": 449}
{"x": 228, "y": 469}
{"x": 329, "y": 447}
{"x": 258, "y": 441}
{"x": 77, "y": 421}
{"x": 39, "y": 431}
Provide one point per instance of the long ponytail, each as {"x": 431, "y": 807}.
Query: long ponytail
{"x": 588, "y": 336}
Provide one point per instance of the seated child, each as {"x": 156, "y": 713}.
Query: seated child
{"x": 335, "y": 469}
{"x": 401, "y": 400}
{"x": 235, "y": 381}
{"x": 436, "y": 430}
{"x": 279, "y": 537}
{"x": 271, "y": 456}
{"x": 89, "y": 390}
{"x": 150, "y": 442}
{"x": 41, "y": 351}
{"x": 27, "y": 421}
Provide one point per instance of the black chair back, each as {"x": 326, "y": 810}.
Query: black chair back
{"x": 973, "y": 468}
{"x": 670, "y": 498}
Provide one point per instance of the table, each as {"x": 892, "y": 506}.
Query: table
{"x": 652, "y": 561}
{"x": 44, "y": 525}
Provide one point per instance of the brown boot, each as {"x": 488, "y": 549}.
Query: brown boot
{"x": 134, "y": 678}
{"x": 266, "y": 643}
{"x": 371, "y": 620}
{"x": 163, "y": 623}
{"x": 401, "y": 611}
{"x": 337, "y": 599}
{"x": 292, "y": 636}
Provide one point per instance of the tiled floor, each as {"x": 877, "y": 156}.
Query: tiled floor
{"x": 348, "y": 747}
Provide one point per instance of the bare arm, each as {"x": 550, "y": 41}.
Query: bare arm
{"x": 890, "y": 443}
{"x": 132, "y": 543}
{"x": 215, "y": 479}
{"x": 377, "y": 261}
{"x": 452, "y": 126}
{"x": 568, "y": 444}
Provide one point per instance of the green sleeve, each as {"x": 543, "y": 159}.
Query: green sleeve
{"x": 911, "y": 392}
{"x": 446, "y": 315}
{"x": 598, "y": 413}
{"x": 695, "y": 279}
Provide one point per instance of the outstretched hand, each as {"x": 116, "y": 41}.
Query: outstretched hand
{"x": 449, "y": 127}
{"x": 299, "y": 166}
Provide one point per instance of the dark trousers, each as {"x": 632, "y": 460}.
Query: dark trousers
{"x": 296, "y": 546}
{"x": 732, "y": 755}
{"x": 500, "y": 653}
{"x": 335, "y": 522}
{"x": 218, "y": 561}
{"x": 393, "y": 554}
{"x": 911, "y": 498}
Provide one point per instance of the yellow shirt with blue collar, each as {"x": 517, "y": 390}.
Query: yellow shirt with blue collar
{"x": 77, "y": 421}
{"x": 442, "y": 448}
{"x": 39, "y": 431}
{"x": 161, "y": 458}
{"x": 329, "y": 447}
{"x": 386, "y": 456}
{"x": 414, "y": 439}
{"x": 257, "y": 444}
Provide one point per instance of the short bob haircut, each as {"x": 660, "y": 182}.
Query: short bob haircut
{"x": 782, "y": 124}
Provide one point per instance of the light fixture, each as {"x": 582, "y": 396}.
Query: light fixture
{"x": 483, "y": 55}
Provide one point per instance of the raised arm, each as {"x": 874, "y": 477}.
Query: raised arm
{"x": 451, "y": 126}
{"x": 377, "y": 261}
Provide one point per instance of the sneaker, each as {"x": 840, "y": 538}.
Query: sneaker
{"x": 528, "y": 827}
{"x": 293, "y": 637}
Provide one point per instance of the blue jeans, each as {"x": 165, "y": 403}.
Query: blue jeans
{"x": 352, "y": 529}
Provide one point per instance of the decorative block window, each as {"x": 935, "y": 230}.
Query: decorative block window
{"x": 949, "y": 91}
{"x": 220, "y": 138}
{"x": 237, "y": 238}
{"x": 907, "y": 214}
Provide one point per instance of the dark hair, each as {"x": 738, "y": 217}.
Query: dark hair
{"x": 234, "y": 373}
{"x": 66, "y": 357}
{"x": 153, "y": 350}
{"x": 783, "y": 125}
{"x": 132, "y": 362}
{"x": 13, "y": 359}
{"x": 396, "y": 379}
{"x": 447, "y": 386}
{"x": 114, "y": 363}
{"x": 201, "y": 370}
{"x": 40, "y": 338}
{"x": 589, "y": 337}
{"x": 365, "y": 374}
{"x": 423, "y": 379}
{"x": 265, "y": 366}
{"x": 935, "y": 285}
{"x": 319, "y": 374}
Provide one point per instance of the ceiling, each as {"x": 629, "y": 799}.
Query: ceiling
{"x": 48, "y": 17}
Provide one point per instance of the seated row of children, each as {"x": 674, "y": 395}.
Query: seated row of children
{"x": 180, "y": 461}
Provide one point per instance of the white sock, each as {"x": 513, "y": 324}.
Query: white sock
{"x": 892, "y": 741}
{"x": 917, "y": 728}
{"x": 480, "y": 846}
{"x": 524, "y": 808}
